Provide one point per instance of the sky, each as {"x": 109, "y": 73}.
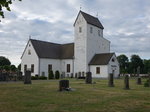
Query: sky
{"x": 126, "y": 24}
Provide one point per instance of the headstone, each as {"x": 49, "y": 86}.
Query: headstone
{"x": 149, "y": 80}
{"x": 76, "y": 75}
{"x": 63, "y": 85}
{"x": 111, "y": 80}
{"x": 82, "y": 74}
{"x": 71, "y": 75}
{"x": 27, "y": 77}
{"x": 126, "y": 82}
{"x": 88, "y": 79}
{"x": 79, "y": 75}
{"x": 139, "y": 82}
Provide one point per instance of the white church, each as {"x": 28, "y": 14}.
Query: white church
{"x": 90, "y": 52}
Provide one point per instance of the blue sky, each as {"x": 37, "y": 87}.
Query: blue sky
{"x": 126, "y": 23}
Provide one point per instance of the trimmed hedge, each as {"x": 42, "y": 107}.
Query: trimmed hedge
{"x": 38, "y": 78}
{"x": 43, "y": 78}
{"x": 57, "y": 75}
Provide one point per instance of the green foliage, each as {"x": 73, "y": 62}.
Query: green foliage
{"x": 19, "y": 67}
{"x": 136, "y": 62}
{"x": 43, "y": 78}
{"x": 6, "y": 67}
{"x": 4, "y": 61}
{"x": 34, "y": 78}
{"x": 146, "y": 66}
{"x": 123, "y": 62}
{"x": 5, "y": 4}
{"x": 57, "y": 75}
{"x": 51, "y": 75}
{"x": 13, "y": 68}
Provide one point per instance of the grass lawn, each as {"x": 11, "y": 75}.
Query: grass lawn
{"x": 43, "y": 96}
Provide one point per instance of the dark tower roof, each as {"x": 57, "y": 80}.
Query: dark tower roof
{"x": 91, "y": 20}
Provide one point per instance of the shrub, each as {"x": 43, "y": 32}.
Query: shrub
{"x": 51, "y": 75}
{"x": 146, "y": 84}
{"x": 57, "y": 75}
{"x": 42, "y": 77}
{"x": 34, "y": 78}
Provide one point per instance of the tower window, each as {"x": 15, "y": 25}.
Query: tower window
{"x": 80, "y": 29}
{"x": 91, "y": 30}
{"x": 29, "y": 52}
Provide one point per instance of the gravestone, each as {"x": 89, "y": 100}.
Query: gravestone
{"x": 139, "y": 82}
{"x": 76, "y": 75}
{"x": 63, "y": 85}
{"x": 126, "y": 82}
{"x": 88, "y": 79}
{"x": 149, "y": 80}
{"x": 111, "y": 80}
{"x": 27, "y": 77}
{"x": 79, "y": 75}
{"x": 71, "y": 75}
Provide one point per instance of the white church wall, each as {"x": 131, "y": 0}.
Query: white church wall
{"x": 113, "y": 66}
{"x": 96, "y": 44}
{"x": 30, "y": 59}
{"x": 103, "y": 71}
{"x": 80, "y": 44}
{"x": 56, "y": 65}
{"x": 64, "y": 63}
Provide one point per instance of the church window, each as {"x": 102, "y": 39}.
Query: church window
{"x": 32, "y": 68}
{"x": 49, "y": 67}
{"x": 68, "y": 67}
{"x": 91, "y": 30}
{"x": 113, "y": 60}
{"x": 29, "y": 52}
{"x": 80, "y": 29}
{"x": 97, "y": 70}
{"x": 25, "y": 68}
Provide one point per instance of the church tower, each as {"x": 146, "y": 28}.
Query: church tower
{"x": 89, "y": 41}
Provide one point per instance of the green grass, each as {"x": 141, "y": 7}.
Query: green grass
{"x": 43, "y": 96}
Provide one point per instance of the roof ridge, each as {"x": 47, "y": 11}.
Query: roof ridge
{"x": 45, "y": 41}
{"x": 88, "y": 14}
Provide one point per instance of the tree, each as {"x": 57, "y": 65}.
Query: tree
{"x": 4, "y": 61}
{"x": 123, "y": 62}
{"x": 13, "y": 68}
{"x": 136, "y": 62}
{"x": 5, "y": 4}
{"x": 6, "y": 67}
{"x": 19, "y": 67}
{"x": 146, "y": 66}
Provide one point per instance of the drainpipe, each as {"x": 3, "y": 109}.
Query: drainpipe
{"x": 73, "y": 65}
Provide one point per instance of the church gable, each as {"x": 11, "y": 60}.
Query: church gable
{"x": 90, "y": 20}
{"x": 101, "y": 59}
